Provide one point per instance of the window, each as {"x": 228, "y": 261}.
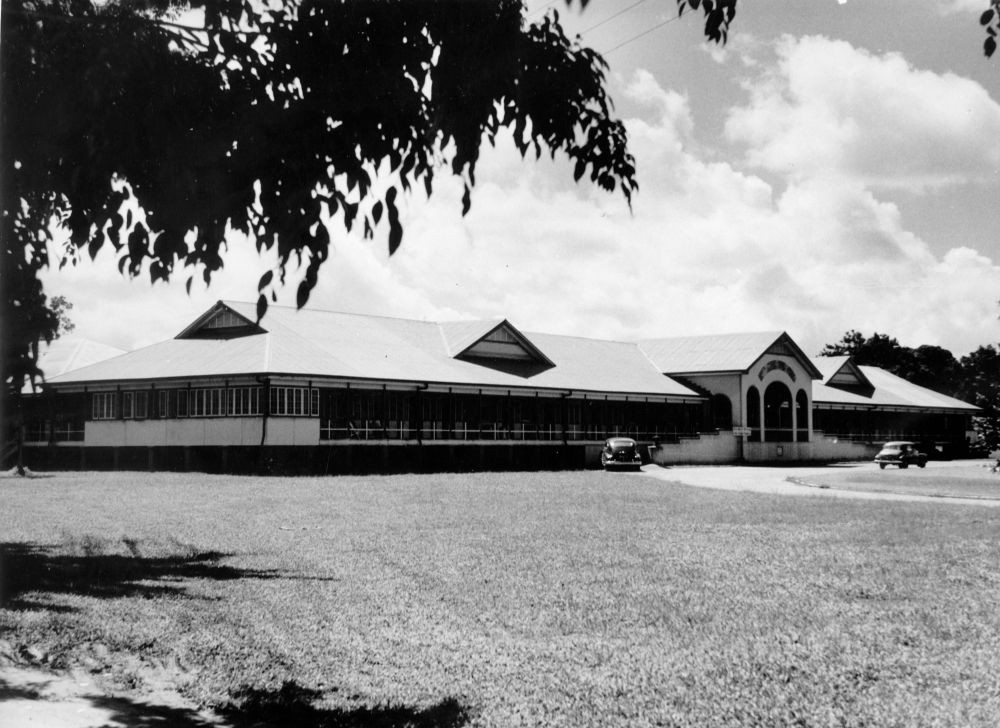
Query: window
{"x": 207, "y": 402}
{"x": 135, "y": 405}
{"x": 294, "y": 401}
{"x": 67, "y": 430}
{"x": 244, "y": 401}
{"x": 164, "y": 408}
{"x": 36, "y": 431}
{"x": 182, "y": 402}
{"x": 105, "y": 405}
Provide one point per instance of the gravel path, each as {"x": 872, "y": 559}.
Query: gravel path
{"x": 776, "y": 480}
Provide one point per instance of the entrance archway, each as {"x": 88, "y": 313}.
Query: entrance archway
{"x": 778, "y": 413}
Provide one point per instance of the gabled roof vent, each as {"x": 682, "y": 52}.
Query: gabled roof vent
{"x": 220, "y": 322}
{"x": 493, "y": 341}
{"x": 849, "y": 377}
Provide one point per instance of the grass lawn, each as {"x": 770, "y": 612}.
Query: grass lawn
{"x": 570, "y": 599}
{"x": 972, "y": 481}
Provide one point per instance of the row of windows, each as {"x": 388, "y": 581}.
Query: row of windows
{"x": 205, "y": 402}
{"x": 490, "y": 430}
{"x": 54, "y": 431}
{"x": 367, "y": 415}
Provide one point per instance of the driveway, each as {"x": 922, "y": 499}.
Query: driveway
{"x": 777, "y": 481}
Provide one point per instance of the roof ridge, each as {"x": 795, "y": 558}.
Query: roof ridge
{"x": 760, "y": 332}
{"x": 582, "y": 338}
{"x": 339, "y": 313}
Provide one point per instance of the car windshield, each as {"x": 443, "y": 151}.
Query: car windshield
{"x": 619, "y": 445}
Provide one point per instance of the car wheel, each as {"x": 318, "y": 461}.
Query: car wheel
{"x": 921, "y": 465}
{"x": 904, "y": 466}
{"x": 881, "y": 466}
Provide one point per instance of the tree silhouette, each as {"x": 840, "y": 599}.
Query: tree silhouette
{"x": 125, "y": 127}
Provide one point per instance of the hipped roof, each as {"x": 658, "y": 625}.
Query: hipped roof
{"x": 319, "y": 344}
{"x": 888, "y": 390}
{"x": 68, "y": 353}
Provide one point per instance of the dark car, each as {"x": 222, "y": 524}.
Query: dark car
{"x": 620, "y": 452}
{"x": 900, "y": 453}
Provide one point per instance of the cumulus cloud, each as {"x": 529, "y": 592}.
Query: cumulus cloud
{"x": 949, "y": 7}
{"x": 827, "y": 108}
{"x": 707, "y": 248}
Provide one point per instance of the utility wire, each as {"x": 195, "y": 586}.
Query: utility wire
{"x": 640, "y": 35}
{"x": 612, "y": 17}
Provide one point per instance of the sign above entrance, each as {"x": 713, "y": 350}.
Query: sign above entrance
{"x": 776, "y": 364}
{"x": 741, "y": 431}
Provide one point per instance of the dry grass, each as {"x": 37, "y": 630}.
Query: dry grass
{"x": 510, "y": 599}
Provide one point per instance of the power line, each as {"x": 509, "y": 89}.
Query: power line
{"x": 612, "y": 17}
{"x": 640, "y": 35}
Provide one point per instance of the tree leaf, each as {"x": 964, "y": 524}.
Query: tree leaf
{"x": 302, "y": 294}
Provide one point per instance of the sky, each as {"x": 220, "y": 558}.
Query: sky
{"x": 835, "y": 166}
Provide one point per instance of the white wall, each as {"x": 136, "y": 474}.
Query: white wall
{"x": 201, "y": 431}
{"x": 725, "y": 448}
{"x": 292, "y": 431}
{"x": 707, "y": 449}
{"x": 727, "y": 384}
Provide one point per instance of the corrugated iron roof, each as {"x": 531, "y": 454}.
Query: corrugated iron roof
{"x": 460, "y": 335}
{"x": 889, "y": 390}
{"x": 714, "y": 353}
{"x": 71, "y": 352}
{"x": 356, "y": 346}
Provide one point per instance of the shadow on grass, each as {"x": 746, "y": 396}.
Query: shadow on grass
{"x": 105, "y": 569}
{"x": 291, "y": 706}
{"x": 18, "y": 692}
{"x": 112, "y": 711}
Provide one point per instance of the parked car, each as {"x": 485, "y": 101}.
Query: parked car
{"x": 620, "y": 452}
{"x": 900, "y": 453}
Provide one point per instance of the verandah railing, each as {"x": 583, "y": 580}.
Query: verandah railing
{"x": 364, "y": 430}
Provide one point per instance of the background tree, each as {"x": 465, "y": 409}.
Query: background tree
{"x": 60, "y": 306}
{"x": 980, "y": 385}
{"x": 929, "y": 366}
{"x": 879, "y": 350}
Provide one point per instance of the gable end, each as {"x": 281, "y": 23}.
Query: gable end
{"x": 220, "y": 322}
{"x": 504, "y": 342}
{"x": 850, "y": 378}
